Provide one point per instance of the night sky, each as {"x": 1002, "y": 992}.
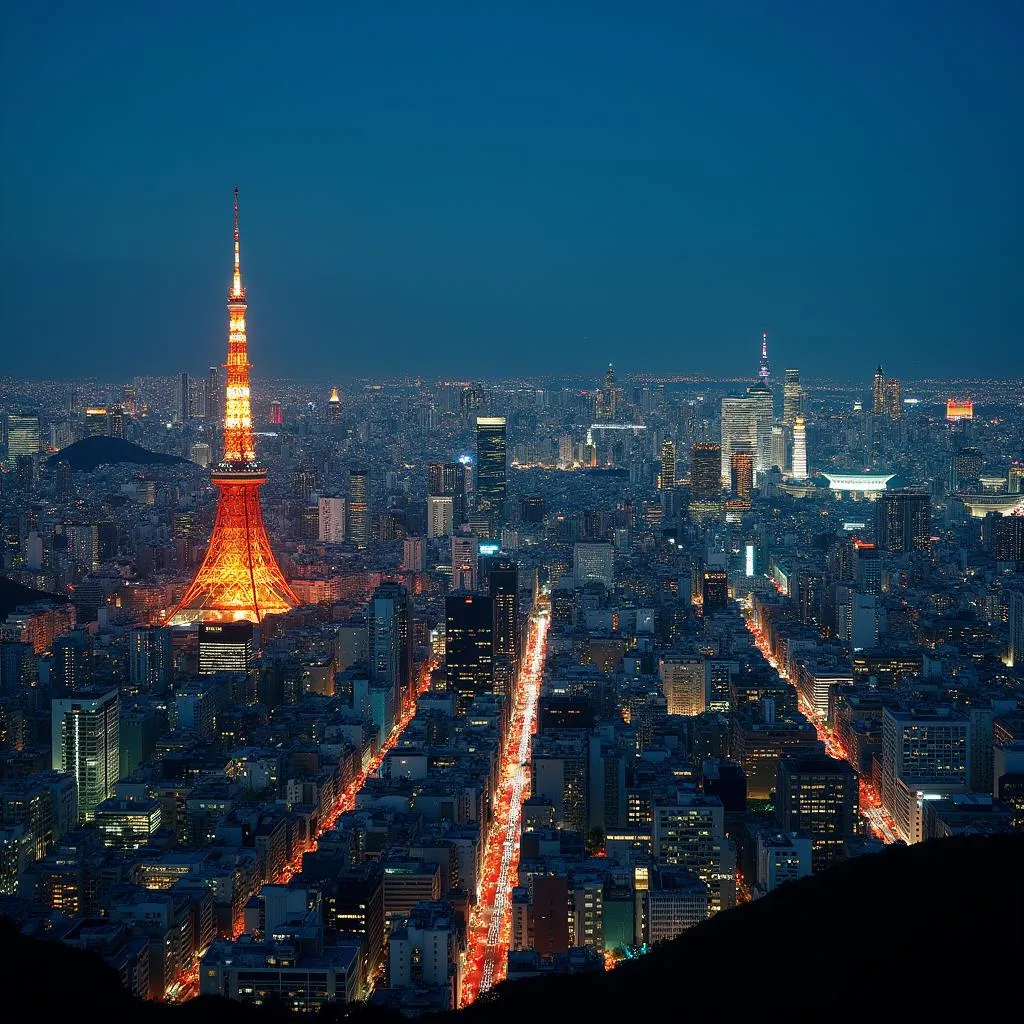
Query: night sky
{"x": 501, "y": 188}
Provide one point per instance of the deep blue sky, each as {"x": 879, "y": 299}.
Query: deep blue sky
{"x": 514, "y": 187}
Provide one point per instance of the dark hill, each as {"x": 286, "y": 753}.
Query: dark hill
{"x": 85, "y": 455}
{"x": 909, "y": 933}
{"x": 14, "y": 594}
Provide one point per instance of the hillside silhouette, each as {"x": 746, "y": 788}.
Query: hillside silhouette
{"x": 910, "y": 931}
{"x": 91, "y": 452}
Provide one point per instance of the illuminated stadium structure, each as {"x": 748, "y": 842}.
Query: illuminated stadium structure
{"x": 979, "y": 505}
{"x": 865, "y": 483}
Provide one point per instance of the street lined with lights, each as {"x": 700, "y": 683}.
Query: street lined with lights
{"x": 490, "y": 924}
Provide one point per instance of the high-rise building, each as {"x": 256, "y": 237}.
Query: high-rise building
{"x": 532, "y": 509}
{"x": 741, "y": 474}
{"x": 239, "y": 577}
{"x": 389, "y": 627}
{"x": 1016, "y": 617}
{"x": 213, "y": 414}
{"x": 303, "y": 484}
{"x": 706, "y": 471}
{"x": 503, "y": 586}
{"x": 440, "y": 515}
{"x": 84, "y": 743}
{"x": 926, "y": 753}
{"x": 893, "y": 399}
{"x": 183, "y": 412}
{"x": 491, "y": 470}
{"x": 903, "y": 521}
{"x": 150, "y": 658}
{"x": 413, "y": 554}
{"x": 606, "y": 404}
{"x": 683, "y": 684}
{"x": 747, "y": 427}
{"x": 594, "y": 562}
{"x": 792, "y": 397}
{"x": 878, "y": 393}
{"x": 779, "y": 446}
{"x": 469, "y": 647}
{"x": 275, "y": 417}
{"x": 819, "y": 796}
{"x": 359, "y": 507}
{"x": 465, "y": 556}
{"x": 201, "y": 454}
{"x": 1015, "y": 478}
{"x": 225, "y": 647}
{"x": 332, "y": 520}
{"x": 667, "y": 480}
{"x": 714, "y": 590}
{"x": 448, "y": 480}
{"x": 799, "y": 448}
{"x": 965, "y": 471}
{"x": 22, "y": 430}
{"x": 334, "y": 407}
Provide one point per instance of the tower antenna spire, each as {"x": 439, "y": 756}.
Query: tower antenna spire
{"x": 236, "y": 281}
{"x": 763, "y": 371}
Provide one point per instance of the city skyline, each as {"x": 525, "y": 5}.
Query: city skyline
{"x": 496, "y": 197}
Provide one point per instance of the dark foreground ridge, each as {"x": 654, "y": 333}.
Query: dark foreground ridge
{"x": 909, "y": 931}
{"x": 14, "y": 594}
{"x": 86, "y": 455}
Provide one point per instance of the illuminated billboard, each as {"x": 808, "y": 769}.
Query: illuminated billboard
{"x": 959, "y": 409}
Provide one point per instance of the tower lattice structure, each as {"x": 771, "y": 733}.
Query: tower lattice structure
{"x": 239, "y": 578}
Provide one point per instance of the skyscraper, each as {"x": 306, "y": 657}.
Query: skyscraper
{"x": 799, "y": 448}
{"x": 1016, "y": 617}
{"x": 503, "y": 586}
{"x": 747, "y": 426}
{"x": 440, "y": 515}
{"x": 465, "y": 556}
{"x": 878, "y": 393}
{"x": 84, "y": 743}
{"x": 469, "y": 647}
{"x": 22, "y": 435}
{"x": 606, "y": 405}
{"x": 334, "y": 407}
{"x": 225, "y": 647}
{"x": 331, "y": 520}
{"x": 792, "y": 397}
{"x": 741, "y": 474}
{"x": 903, "y": 521}
{"x": 359, "y": 507}
{"x": 491, "y": 470}
{"x": 448, "y": 480}
{"x": 150, "y": 658}
{"x": 818, "y": 795}
{"x": 668, "y": 465}
{"x": 183, "y": 412}
{"x": 213, "y": 398}
{"x": 706, "y": 471}
{"x": 893, "y": 399}
{"x": 239, "y": 577}
{"x": 389, "y": 627}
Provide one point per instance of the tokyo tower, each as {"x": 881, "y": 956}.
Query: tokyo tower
{"x": 239, "y": 577}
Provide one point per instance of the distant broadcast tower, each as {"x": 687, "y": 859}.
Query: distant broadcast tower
{"x": 763, "y": 371}
{"x": 239, "y": 578}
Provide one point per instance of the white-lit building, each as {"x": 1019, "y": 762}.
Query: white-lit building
{"x": 84, "y": 743}
{"x": 594, "y": 562}
{"x": 332, "y": 520}
{"x": 684, "y": 684}
{"x": 440, "y": 515}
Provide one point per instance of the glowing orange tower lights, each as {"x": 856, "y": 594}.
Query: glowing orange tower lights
{"x": 239, "y": 577}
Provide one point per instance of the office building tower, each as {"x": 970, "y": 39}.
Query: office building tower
{"x": 84, "y": 743}
{"x": 358, "y": 508}
{"x": 389, "y": 629}
{"x": 201, "y": 454}
{"x": 867, "y": 567}
{"x": 606, "y": 402}
{"x": 22, "y": 431}
{"x": 747, "y": 427}
{"x": 225, "y": 647}
{"x": 424, "y": 949}
{"x": 275, "y": 416}
{"x": 334, "y": 407}
{"x": 440, "y": 515}
{"x": 1016, "y": 621}
{"x": 491, "y": 470}
{"x": 903, "y": 521}
{"x": 779, "y": 446}
{"x": 741, "y": 474}
{"x": 96, "y": 422}
{"x": 594, "y": 562}
{"x": 183, "y": 410}
{"x": 818, "y": 796}
{"x": 413, "y": 555}
{"x": 792, "y": 397}
{"x": 448, "y": 480}
{"x": 706, "y": 471}
{"x": 965, "y": 471}
{"x": 1008, "y": 538}
{"x": 213, "y": 413}
{"x": 239, "y": 577}
{"x": 150, "y": 658}
{"x": 714, "y": 590}
{"x": 684, "y": 684}
{"x": 503, "y": 587}
{"x": 115, "y": 421}
{"x": 465, "y": 556}
{"x": 532, "y": 510}
{"x": 1015, "y": 478}
{"x": 332, "y": 520}
{"x": 926, "y": 754}
{"x": 469, "y": 647}
{"x": 878, "y": 393}
{"x": 799, "y": 448}
{"x": 893, "y": 399}
{"x": 667, "y": 480}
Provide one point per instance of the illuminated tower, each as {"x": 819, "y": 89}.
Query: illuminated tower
{"x": 799, "y": 448}
{"x": 762, "y": 371}
{"x": 668, "y": 465}
{"x": 239, "y": 578}
{"x": 334, "y": 407}
{"x": 878, "y": 393}
{"x": 792, "y": 397}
